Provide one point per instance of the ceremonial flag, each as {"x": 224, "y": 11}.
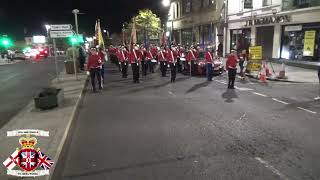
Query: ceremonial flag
{"x": 98, "y": 35}
{"x": 133, "y": 39}
{"x": 44, "y": 161}
{"x": 12, "y": 160}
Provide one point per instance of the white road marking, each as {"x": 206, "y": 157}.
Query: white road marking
{"x": 307, "y": 110}
{"x": 221, "y": 81}
{"x": 171, "y": 93}
{"x": 317, "y": 98}
{"x": 259, "y": 94}
{"x": 243, "y": 89}
{"x": 277, "y": 100}
{"x": 268, "y": 166}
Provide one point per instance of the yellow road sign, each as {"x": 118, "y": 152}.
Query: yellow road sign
{"x": 255, "y": 52}
{"x": 309, "y": 42}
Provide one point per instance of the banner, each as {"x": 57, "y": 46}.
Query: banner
{"x": 309, "y": 43}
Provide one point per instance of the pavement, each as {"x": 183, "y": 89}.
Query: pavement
{"x": 57, "y": 121}
{"x": 292, "y": 73}
{"x": 194, "y": 129}
{"x": 20, "y": 82}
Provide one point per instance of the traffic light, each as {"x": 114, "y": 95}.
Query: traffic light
{"x": 6, "y": 42}
{"x": 75, "y": 40}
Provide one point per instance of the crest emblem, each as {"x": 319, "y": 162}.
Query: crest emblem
{"x": 28, "y": 159}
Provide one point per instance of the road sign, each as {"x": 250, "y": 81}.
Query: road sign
{"x": 61, "y": 34}
{"x": 309, "y": 43}
{"x": 255, "y": 52}
{"x": 60, "y": 27}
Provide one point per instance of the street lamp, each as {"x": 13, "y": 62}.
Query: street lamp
{"x": 166, "y": 3}
{"x": 75, "y": 12}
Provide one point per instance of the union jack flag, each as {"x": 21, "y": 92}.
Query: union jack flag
{"x": 28, "y": 159}
{"x": 44, "y": 161}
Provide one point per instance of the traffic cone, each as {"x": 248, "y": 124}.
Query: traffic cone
{"x": 263, "y": 76}
{"x": 282, "y": 73}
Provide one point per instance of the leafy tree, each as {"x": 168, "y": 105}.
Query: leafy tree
{"x": 147, "y": 23}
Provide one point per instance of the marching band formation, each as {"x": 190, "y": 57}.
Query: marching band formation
{"x": 143, "y": 60}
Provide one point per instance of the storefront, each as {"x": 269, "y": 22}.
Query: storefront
{"x": 301, "y": 42}
{"x": 240, "y": 39}
{"x": 187, "y": 36}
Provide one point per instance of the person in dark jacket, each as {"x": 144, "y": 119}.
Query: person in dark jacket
{"x": 82, "y": 57}
{"x": 94, "y": 67}
{"x": 232, "y": 68}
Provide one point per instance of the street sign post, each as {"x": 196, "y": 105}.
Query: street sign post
{"x": 60, "y": 27}
{"x": 60, "y": 31}
{"x": 61, "y": 34}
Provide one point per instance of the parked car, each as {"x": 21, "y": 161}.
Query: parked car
{"x": 201, "y": 69}
{"x": 19, "y": 55}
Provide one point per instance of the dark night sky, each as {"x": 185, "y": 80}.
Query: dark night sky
{"x": 15, "y": 15}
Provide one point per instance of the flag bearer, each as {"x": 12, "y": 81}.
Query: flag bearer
{"x": 94, "y": 67}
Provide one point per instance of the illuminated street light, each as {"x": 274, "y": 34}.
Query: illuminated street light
{"x": 166, "y": 3}
{"x": 47, "y": 26}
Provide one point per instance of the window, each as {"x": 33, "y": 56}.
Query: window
{"x": 297, "y": 4}
{"x": 267, "y": 3}
{"x": 188, "y": 7}
{"x": 208, "y": 3}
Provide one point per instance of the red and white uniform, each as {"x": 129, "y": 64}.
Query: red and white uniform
{"x": 192, "y": 55}
{"x": 171, "y": 56}
{"x": 122, "y": 55}
{"x": 134, "y": 56}
{"x": 209, "y": 57}
{"x": 162, "y": 55}
{"x": 94, "y": 62}
{"x": 149, "y": 56}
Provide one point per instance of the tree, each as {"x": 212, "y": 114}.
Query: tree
{"x": 148, "y": 25}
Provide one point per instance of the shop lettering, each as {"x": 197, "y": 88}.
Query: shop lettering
{"x": 268, "y": 20}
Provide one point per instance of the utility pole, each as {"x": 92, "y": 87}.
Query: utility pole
{"x": 225, "y": 27}
{"x": 75, "y": 12}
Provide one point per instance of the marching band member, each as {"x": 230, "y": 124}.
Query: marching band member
{"x": 149, "y": 58}
{"x": 134, "y": 59}
{"x": 94, "y": 67}
{"x": 209, "y": 62}
{"x": 172, "y": 60}
{"x": 192, "y": 56}
{"x": 122, "y": 55}
{"x": 162, "y": 60}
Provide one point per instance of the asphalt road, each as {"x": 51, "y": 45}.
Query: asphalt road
{"x": 20, "y": 82}
{"x": 194, "y": 129}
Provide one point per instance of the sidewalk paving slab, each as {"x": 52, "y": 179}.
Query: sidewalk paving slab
{"x": 57, "y": 121}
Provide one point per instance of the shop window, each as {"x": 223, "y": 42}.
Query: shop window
{"x": 187, "y": 6}
{"x": 240, "y": 39}
{"x": 266, "y": 2}
{"x": 187, "y": 37}
{"x": 297, "y": 4}
{"x": 293, "y": 42}
{"x": 207, "y": 4}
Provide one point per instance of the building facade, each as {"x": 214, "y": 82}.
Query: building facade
{"x": 195, "y": 22}
{"x": 286, "y": 29}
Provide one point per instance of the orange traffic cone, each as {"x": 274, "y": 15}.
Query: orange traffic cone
{"x": 263, "y": 76}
